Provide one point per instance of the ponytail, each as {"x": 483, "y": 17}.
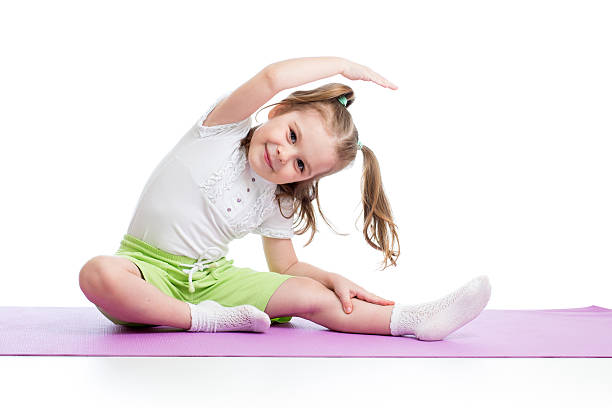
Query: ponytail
{"x": 378, "y": 222}
{"x": 332, "y": 101}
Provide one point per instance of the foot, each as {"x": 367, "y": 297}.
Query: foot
{"x": 209, "y": 316}
{"x": 435, "y": 320}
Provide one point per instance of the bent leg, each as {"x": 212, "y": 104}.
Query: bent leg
{"x": 311, "y": 300}
{"x": 113, "y": 284}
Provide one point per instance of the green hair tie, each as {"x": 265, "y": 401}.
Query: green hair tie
{"x": 342, "y": 100}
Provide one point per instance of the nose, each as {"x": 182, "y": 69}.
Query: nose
{"x": 284, "y": 154}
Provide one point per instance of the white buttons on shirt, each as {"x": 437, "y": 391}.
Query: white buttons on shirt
{"x": 238, "y": 199}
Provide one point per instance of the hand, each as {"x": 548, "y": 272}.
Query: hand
{"x": 356, "y": 71}
{"x": 345, "y": 290}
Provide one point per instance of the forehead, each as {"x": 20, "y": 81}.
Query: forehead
{"x": 318, "y": 144}
{"x": 312, "y": 120}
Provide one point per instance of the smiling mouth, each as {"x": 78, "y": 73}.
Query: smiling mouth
{"x": 267, "y": 158}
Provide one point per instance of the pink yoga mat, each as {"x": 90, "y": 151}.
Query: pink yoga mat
{"x": 83, "y": 331}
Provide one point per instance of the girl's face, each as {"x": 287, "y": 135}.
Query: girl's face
{"x": 292, "y": 147}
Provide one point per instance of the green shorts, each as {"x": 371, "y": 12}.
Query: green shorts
{"x": 224, "y": 283}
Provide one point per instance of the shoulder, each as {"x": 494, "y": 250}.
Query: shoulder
{"x": 207, "y": 124}
{"x": 210, "y": 119}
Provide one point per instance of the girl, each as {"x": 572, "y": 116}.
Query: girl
{"x": 225, "y": 179}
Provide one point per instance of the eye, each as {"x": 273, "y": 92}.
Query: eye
{"x": 292, "y": 135}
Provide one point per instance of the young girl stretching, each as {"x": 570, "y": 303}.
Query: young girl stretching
{"x": 225, "y": 179}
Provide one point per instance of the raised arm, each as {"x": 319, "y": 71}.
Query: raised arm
{"x": 299, "y": 71}
{"x": 258, "y": 90}
{"x": 244, "y": 101}
{"x": 254, "y": 93}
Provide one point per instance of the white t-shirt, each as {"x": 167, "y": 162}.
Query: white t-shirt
{"x": 204, "y": 194}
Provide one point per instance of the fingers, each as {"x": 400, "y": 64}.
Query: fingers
{"x": 347, "y": 305}
{"x": 380, "y": 80}
{"x": 372, "y": 298}
{"x": 391, "y": 85}
{"x": 364, "y": 73}
{"x": 384, "y": 82}
{"x": 345, "y": 300}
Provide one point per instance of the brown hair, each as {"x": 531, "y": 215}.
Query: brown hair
{"x": 377, "y": 211}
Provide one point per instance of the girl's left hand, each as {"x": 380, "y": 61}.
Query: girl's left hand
{"x": 354, "y": 71}
{"x": 345, "y": 290}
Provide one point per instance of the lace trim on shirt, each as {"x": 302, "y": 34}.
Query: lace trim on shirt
{"x": 272, "y": 233}
{"x": 224, "y": 178}
{"x": 211, "y": 130}
{"x": 257, "y": 213}
{"x": 287, "y": 205}
{"x": 207, "y": 131}
{"x": 286, "y": 209}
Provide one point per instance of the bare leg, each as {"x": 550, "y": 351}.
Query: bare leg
{"x": 311, "y": 300}
{"x": 366, "y": 317}
{"x": 114, "y": 284}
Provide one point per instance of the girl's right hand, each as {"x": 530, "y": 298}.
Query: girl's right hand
{"x": 355, "y": 71}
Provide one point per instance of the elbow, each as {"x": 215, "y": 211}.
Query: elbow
{"x": 291, "y": 265}
{"x": 271, "y": 76}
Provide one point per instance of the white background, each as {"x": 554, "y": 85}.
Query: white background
{"x": 495, "y": 150}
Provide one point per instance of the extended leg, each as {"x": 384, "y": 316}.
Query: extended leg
{"x": 366, "y": 317}
{"x": 311, "y": 300}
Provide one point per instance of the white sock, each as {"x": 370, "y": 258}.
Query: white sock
{"x": 436, "y": 320}
{"x": 209, "y": 316}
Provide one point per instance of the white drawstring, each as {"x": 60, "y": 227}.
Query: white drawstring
{"x": 199, "y": 265}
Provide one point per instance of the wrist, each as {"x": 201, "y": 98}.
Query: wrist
{"x": 311, "y": 271}
{"x": 328, "y": 280}
{"x": 344, "y": 64}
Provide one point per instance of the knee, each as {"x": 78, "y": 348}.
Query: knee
{"x": 301, "y": 296}
{"x": 95, "y": 276}
{"x": 314, "y": 296}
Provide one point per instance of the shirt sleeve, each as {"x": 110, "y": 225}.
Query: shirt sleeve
{"x": 242, "y": 127}
{"x": 275, "y": 225}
